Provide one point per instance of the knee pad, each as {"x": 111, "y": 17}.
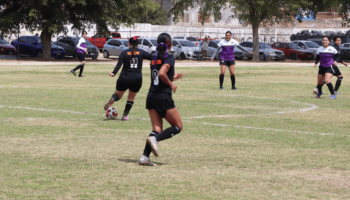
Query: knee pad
{"x": 115, "y": 97}
{"x": 177, "y": 130}
{"x": 340, "y": 78}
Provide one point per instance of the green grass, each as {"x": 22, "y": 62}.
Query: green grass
{"x": 253, "y": 143}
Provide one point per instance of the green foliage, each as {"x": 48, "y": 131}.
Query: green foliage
{"x": 155, "y": 15}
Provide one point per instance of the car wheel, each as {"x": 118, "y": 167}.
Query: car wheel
{"x": 182, "y": 56}
{"x": 39, "y": 54}
{"x": 293, "y": 56}
{"x": 277, "y": 59}
{"x": 262, "y": 57}
{"x": 105, "y": 54}
{"x": 74, "y": 55}
{"x": 249, "y": 58}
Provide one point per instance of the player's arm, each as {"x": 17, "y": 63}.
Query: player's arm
{"x": 216, "y": 51}
{"x": 118, "y": 66}
{"x": 177, "y": 77}
{"x": 164, "y": 77}
{"x": 147, "y": 55}
{"x": 79, "y": 43}
{"x": 336, "y": 57}
{"x": 317, "y": 59}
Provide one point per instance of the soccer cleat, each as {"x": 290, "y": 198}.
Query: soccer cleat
{"x": 152, "y": 141}
{"x": 332, "y": 97}
{"x": 319, "y": 95}
{"x": 125, "y": 118}
{"x": 73, "y": 72}
{"x": 144, "y": 160}
{"x": 109, "y": 103}
{"x": 234, "y": 88}
{"x": 221, "y": 88}
{"x": 81, "y": 76}
{"x": 316, "y": 91}
{"x": 336, "y": 93}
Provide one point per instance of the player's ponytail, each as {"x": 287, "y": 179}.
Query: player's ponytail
{"x": 163, "y": 47}
{"x": 133, "y": 42}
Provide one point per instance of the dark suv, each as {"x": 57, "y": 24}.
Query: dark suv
{"x": 70, "y": 46}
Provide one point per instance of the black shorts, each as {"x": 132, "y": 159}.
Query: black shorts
{"x": 133, "y": 83}
{"x": 160, "y": 101}
{"x": 336, "y": 71}
{"x": 324, "y": 70}
{"x": 227, "y": 63}
{"x": 81, "y": 56}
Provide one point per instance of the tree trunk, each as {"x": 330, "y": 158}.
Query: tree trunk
{"x": 256, "y": 42}
{"x": 46, "y": 44}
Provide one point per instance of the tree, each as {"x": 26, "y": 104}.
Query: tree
{"x": 253, "y": 12}
{"x": 156, "y": 15}
{"x": 52, "y": 16}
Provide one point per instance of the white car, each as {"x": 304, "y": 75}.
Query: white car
{"x": 186, "y": 49}
{"x": 114, "y": 47}
{"x": 150, "y": 45}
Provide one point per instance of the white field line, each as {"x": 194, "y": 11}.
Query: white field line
{"x": 49, "y": 110}
{"x": 311, "y": 107}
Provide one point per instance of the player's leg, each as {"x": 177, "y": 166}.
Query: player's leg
{"x": 328, "y": 77}
{"x": 76, "y": 68}
{"x": 320, "y": 78}
{"x": 337, "y": 84}
{"x": 128, "y": 105}
{"x": 81, "y": 68}
{"x": 233, "y": 78}
{"x": 222, "y": 74}
{"x": 115, "y": 97}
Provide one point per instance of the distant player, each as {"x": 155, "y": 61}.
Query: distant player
{"x": 337, "y": 73}
{"x": 81, "y": 51}
{"x": 227, "y": 58}
{"x": 160, "y": 103}
{"x": 328, "y": 57}
{"x": 130, "y": 76}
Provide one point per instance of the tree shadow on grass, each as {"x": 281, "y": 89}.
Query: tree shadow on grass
{"x": 126, "y": 160}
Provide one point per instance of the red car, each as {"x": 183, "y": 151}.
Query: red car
{"x": 293, "y": 51}
{"x": 99, "y": 40}
{"x": 7, "y": 49}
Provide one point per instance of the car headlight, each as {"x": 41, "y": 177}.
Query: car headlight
{"x": 189, "y": 51}
{"x": 271, "y": 52}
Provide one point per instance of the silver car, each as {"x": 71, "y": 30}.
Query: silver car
{"x": 150, "y": 45}
{"x": 265, "y": 51}
{"x": 114, "y": 47}
{"x": 307, "y": 45}
{"x": 186, "y": 49}
{"x": 213, "y": 45}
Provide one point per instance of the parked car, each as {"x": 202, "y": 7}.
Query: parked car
{"x": 7, "y": 49}
{"x": 99, "y": 40}
{"x": 293, "y": 51}
{"x": 189, "y": 38}
{"x": 186, "y": 49}
{"x": 213, "y": 45}
{"x": 114, "y": 47}
{"x": 70, "y": 46}
{"x": 265, "y": 51}
{"x": 31, "y": 45}
{"x": 150, "y": 45}
{"x": 346, "y": 44}
{"x": 344, "y": 51}
{"x": 307, "y": 45}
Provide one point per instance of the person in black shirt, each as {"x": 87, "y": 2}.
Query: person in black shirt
{"x": 160, "y": 103}
{"x": 130, "y": 76}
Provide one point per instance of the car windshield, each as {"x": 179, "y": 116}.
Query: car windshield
{"x": 76, "y": 41}
{"x": 154, "y": 42}
{"x": 293, "y": 46}
{"x": 187, "y": 43}
{"x": 3, "y": 42}
{"x": 39, "y": 39}
{"x": 312, "y": 45}
{"x": 264, "y": 46}
{"x": 126, "y": 43}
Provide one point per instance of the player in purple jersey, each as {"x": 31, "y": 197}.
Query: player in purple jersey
{"x": 227, "y": 58}
{"x": 328, "y": 56}
{"x": 81, "y": 50}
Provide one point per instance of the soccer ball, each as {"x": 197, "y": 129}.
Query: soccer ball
{"x": 111, "y": 113}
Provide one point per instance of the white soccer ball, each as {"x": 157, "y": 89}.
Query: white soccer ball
{"x": 111, "y": 113}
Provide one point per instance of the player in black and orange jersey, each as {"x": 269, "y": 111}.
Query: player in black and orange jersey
{"x": 130, "y": 76}
{"x": 160, "y": 103}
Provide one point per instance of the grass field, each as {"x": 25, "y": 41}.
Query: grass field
{"x": 271, "y": 139}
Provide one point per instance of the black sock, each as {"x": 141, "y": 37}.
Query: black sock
{"x": 319, "y": 87}
{"x": 221, "y": 79}
{"x": 324, "y": 82}
{"x": 128, "y": 107}
{"x": 115, "y": 97}
{"x": 76, "y": 68}
{"x": 147, "y": 151}
{"x": 338, "y": 83}
{"x": 330, "y": 87}
{"x": 167, "y": 133}
{"x": 233, "y": 80}
{"x": 81, "y": 70}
